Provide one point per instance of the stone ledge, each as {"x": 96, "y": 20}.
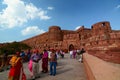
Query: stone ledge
{"x": 98, "y": 69}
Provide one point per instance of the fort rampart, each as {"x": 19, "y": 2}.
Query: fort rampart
{"x": 100, "y": 40}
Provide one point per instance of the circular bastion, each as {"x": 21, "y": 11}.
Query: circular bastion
{"x": 55, "y": 33}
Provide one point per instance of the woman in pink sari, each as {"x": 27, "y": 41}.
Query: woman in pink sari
{"x": 45, "y": 61}
{"x": 74, "y": 54}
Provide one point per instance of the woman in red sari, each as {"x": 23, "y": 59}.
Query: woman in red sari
{"x": 16, "y": 67}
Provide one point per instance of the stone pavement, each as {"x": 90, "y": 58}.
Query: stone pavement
{"x": 67, "y": 69}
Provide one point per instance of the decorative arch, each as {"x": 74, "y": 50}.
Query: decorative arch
{"x": 71, "y": 47}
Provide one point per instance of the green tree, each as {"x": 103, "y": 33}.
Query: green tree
{"x": 13, "y": 47}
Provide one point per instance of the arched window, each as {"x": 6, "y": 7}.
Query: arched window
{"x": 103, "y": 24}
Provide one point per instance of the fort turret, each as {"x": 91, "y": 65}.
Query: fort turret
{"x": 55, "y": 34}
{"x": 101, "y": 28}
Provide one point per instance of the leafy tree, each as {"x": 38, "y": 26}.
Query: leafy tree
{"x": 13, "y": 47}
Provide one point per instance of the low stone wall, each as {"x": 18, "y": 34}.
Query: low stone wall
{"x": 98, "y": 69}
{"x": 106, "y": 53}
{"x": 7, "y": 61}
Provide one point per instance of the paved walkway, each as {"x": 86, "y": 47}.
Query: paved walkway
{"x": 67, "y": 69}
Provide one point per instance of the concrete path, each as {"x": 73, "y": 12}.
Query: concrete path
{"x": 67, "y": 69}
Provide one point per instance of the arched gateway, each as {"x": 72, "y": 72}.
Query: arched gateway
{"x": 71, "y": 47}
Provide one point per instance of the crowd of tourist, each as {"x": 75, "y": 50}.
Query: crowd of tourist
{"x": 50, "y": 56}
{"x": 16, "y": 71}
{"x": 77, "y": 54}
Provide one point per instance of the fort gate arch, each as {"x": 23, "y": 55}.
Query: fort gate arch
{"x": 71, "y": 47}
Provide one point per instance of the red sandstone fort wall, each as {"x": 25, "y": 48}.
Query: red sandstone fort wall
{"x": 99, "y": 41}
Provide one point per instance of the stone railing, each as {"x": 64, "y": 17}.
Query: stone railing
{"x": 98, "y": 69}
{"x": 107, "y": 53}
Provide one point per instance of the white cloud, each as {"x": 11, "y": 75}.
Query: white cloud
{"x": 50, "y": 8}
{"x": 17, "y": 13}
{"x": 118, "y": 6}
{"x": 32, "y": 30}
{"x": 77, "y": 27}
{"x": 34, "y": 12}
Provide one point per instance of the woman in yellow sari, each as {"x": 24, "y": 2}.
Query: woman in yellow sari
{"x": 16, "y": 67}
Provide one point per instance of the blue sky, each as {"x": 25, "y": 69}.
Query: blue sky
{"x": 22, "y": 19}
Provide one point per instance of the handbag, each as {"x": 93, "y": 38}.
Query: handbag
{"x": 30, "y": 65}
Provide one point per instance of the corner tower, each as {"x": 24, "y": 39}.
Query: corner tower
{"x": 101, "y": 28}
